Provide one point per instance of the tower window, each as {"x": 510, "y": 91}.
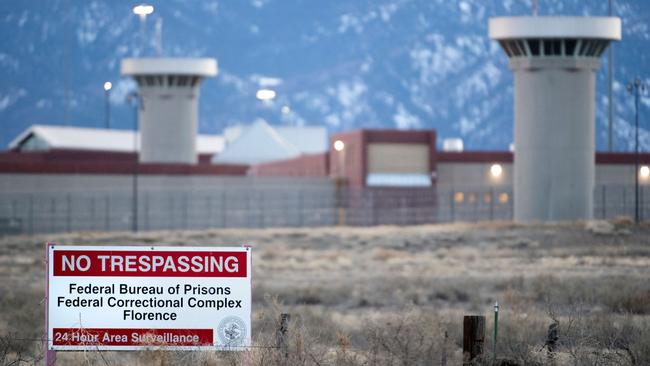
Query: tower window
{"x": 533, "y": 44}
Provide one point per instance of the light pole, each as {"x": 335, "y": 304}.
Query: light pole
{"x": 107, "y": 96}
{"x": 134, "y": 101}
{"x": 339, "y": 147}
{"x": 610, "y": 76}
{"x": 142, "y": 11}
{"x": 635, "y": 88}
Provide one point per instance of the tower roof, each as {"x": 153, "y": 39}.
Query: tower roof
{"x": 604, "y": 28}
{"x": 206, "y": 67}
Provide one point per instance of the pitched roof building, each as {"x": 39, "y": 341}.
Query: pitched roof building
{"x": 261, "y": 143}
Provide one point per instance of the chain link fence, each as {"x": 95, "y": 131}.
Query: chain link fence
{"x": 33, "y": 213}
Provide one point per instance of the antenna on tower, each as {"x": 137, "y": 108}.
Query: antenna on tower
{"x": 159, "y": 24}
{"x": 534, "y": 7}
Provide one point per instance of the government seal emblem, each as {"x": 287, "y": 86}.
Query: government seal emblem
{"x": 232, "y": 331}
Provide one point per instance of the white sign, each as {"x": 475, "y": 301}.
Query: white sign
{"x": 129, "y": 298}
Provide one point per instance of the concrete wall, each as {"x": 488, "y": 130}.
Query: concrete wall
{"x": 60, "y": 203}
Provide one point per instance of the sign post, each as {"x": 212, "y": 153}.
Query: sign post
{"x": 130, "y": 298}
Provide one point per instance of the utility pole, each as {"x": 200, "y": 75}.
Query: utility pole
{"x": 135, "y": 101}
{"x": 610, "y": 75}
{"x": 635, "y": 88}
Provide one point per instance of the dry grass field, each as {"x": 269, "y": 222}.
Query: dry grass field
{"x": 388, "y": 295}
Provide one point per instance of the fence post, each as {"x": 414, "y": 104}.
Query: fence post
{"x": 452, "y": 207}
{"x": 208, "y": 200}
{"x": 282, "y": 335}
{"x": 31, "y": 214}
{"x": 443, "y": 357}
{"x": 146, "y": 211}
{"x": 603, "y": 200}
{"x": 171, "y": 211}
{"x": 68, "y": 223}
{"x": 14, "y": 209}
{"x": 53, "y": 215}
{"x": 93, "y": 225}
{"x": 511, "y": 201}
{"x": 491, "y": 204}
{"x": 642, "y": 200}
{"x": 185, "y": 211}
{"x": 373, "y": 209}
{"x": 473, "y": 337}
{"x": 223, "y": 208}
{"x": 261, "y": 202}
{"x": 107, "y": 206}
{"x": 301, "y": 210}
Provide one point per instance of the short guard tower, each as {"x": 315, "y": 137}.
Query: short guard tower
{"x": 169, "y": 95}
{"x": 554, "y": 60}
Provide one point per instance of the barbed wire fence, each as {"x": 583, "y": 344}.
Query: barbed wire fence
{"x": 34, "y": 213}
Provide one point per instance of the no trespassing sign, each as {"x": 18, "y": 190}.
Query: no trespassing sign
{"x": 129, "y": 298}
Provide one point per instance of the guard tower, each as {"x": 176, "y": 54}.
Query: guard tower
{"x": 168, "y": 113}
{"x": 554, "y": 60}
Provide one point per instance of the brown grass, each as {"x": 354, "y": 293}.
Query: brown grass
{"x": 388, "y": 295}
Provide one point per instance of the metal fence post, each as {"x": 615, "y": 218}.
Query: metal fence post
{"x": 604, "y": 201}
{"x": 261, "y": 202}
{"x": 491, "y": 204}
{"x": 223, "y": 208}
{"x": 282, "y": 335}
{"x": 53, "y": 214}
{"x": 68, "y": 223}
{"x": 92, "y": 225}
{"x": 171, "y": 211}
{"x": 31, "y": 214}
{"x": 146, "y": 211}
{"x": 373, "y": 208}
{"x": 107, "y": 207}
{"x": 208, "y": 200}
{"x": 443, "y": 356}
{"x": 452, "y": 207}
{"x": 642, "y": 200}
{"x": 14, "y": 209}
{"x": 511, "y": 202}
{"x": 185, "y": 210}
{"x": 301, "y": 210}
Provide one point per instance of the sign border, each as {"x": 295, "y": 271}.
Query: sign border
{"x": 51, "y": 349}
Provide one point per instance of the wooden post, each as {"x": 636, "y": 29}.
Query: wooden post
{"x": 443, "y": 357}
{"x": 473, "y": 337}
{"x": 282, "y": 335}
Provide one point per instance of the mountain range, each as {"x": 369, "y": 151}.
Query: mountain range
{"x": 343, "y": 64}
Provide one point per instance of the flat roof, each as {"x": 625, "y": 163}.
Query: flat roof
{"x": 206, "y": 67}
{"x": 608, "y": 28}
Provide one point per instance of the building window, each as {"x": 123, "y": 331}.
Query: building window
{"x": 471, "y": 197}
{"x": 487, "y": 197}
{"x": 459, "y": 197}
{"x": 503, "y": 197}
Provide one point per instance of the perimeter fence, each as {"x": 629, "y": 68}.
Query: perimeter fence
{"x": 33, "y": 213}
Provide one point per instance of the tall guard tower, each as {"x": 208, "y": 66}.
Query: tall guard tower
{"x": 168, "y": 113}
{"x": 554, "y": 60}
